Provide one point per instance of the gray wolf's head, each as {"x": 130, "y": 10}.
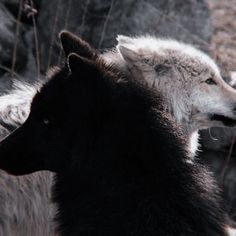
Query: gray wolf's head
{"x": 196, "y": 95}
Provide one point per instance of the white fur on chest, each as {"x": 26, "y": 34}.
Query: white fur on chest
{"x": 193, "y": 145}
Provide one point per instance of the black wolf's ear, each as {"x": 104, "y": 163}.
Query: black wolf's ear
{"x": 78, "y": 64}
{"x": 73, "y": 44}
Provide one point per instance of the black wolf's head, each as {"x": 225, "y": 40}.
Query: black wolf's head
{"x": 84, "y": 106}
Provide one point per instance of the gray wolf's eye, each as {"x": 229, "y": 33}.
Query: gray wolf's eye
{"x": 210, "y": 81}
{"x": 161, "y": 69}
{"x": 46, "y": 121}
{"x": 146, "y": 61}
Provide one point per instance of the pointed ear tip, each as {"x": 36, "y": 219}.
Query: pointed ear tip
{"x": 63, "y": 34}
{"x": 75, "y": 62}
{"x": 122, "y": 48}
{"x": 120, "y": 37}
{"x": 67, "y": 35}
{"x": 73, "y": 56}
{"x": 72, "y": 60}
{"x": 123, "y": 39}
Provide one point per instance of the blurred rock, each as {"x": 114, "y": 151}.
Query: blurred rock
{"x": 223, "y": 41}
{"x": 8, "y": 39}
{"x": 99, "y": 22}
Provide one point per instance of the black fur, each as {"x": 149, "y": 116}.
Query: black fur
{"x": 121, "y": 166}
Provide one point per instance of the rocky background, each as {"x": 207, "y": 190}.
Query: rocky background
{"x": 29, "y": 47}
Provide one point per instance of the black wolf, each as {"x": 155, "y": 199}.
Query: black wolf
{"x": 120, "y": 162}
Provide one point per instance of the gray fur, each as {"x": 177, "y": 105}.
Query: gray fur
{"x": 25, "y": 205}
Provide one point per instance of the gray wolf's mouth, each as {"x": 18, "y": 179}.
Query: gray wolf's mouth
{"x": 225, "y": 120}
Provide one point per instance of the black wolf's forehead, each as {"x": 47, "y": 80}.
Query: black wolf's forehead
{"x": 52, "y": 90}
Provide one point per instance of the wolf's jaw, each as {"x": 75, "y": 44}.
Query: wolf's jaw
{"x": 227, "y": 121}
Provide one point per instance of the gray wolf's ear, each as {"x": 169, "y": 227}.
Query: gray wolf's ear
{"x": 121, "y": 39}
{"x": 130, "y": 56}
{"x": 133, "y": 61}
{"x": 73, "y": 44}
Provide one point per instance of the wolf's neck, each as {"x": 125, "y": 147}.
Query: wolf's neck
{"x": 184, "y": 123}
{"x": 187, "y": 126}
{"x": 190, "y": 132}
